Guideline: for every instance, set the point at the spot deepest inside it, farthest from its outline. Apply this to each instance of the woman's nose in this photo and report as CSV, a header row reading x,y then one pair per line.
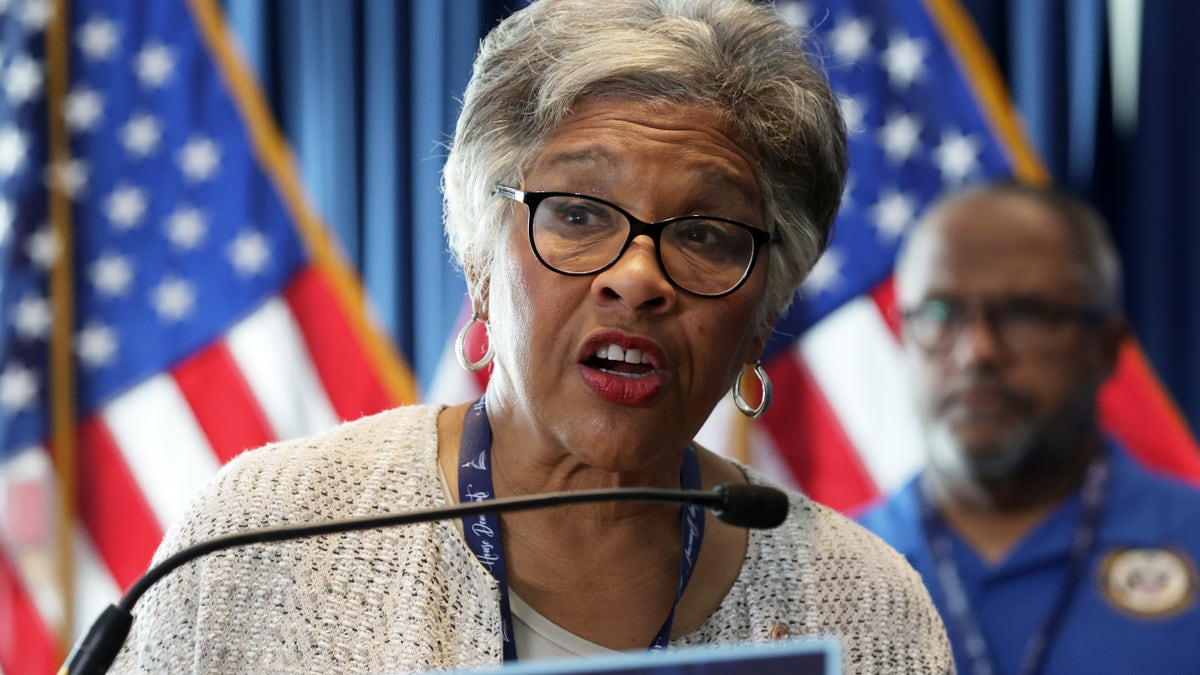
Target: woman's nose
x,y
636,279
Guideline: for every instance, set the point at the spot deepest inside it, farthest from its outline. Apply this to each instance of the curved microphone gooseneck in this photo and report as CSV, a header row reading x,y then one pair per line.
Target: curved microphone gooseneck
x,y
754,506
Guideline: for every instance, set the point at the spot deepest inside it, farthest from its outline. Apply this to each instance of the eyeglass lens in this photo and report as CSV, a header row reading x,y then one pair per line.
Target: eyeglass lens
x,y
578,235
1021,324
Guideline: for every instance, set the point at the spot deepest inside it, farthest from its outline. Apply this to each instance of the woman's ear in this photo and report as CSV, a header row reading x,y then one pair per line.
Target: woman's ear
x,y
478,285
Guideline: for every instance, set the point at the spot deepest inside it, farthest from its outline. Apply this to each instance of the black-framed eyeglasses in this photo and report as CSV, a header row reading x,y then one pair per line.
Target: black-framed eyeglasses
x,y
1022,324
577,235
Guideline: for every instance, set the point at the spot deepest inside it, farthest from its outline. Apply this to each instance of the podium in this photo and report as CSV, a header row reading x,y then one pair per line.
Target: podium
x,y
800,656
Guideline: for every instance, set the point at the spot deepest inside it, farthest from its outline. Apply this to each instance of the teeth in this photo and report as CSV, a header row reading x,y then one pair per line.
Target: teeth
x,y
612,353
615,353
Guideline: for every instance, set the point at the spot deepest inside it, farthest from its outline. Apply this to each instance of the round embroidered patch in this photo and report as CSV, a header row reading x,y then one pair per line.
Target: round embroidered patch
x,y
1148,583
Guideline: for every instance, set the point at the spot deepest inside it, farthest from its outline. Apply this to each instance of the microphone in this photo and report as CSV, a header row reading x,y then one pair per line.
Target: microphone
x,y
743,505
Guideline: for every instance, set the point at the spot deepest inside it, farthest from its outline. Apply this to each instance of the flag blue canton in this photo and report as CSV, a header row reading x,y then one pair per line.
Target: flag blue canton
x,y
177,232
915,130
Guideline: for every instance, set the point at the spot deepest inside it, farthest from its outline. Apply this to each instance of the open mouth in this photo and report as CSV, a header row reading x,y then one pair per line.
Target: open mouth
x,y
632,363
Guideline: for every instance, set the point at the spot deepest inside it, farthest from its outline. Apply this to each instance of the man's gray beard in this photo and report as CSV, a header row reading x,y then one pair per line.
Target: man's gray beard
x,y
1026,451
1004,460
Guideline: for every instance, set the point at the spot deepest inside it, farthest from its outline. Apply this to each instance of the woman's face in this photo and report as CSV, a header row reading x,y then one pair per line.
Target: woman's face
x,y
655,161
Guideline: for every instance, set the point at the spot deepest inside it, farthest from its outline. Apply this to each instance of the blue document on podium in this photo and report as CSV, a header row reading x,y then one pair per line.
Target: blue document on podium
x,y
816,656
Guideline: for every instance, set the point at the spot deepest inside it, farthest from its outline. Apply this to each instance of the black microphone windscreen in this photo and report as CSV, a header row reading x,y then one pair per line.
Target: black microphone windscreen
x,y
756,506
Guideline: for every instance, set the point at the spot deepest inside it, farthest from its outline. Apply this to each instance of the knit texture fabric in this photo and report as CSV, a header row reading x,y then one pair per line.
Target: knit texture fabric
x,y
414,598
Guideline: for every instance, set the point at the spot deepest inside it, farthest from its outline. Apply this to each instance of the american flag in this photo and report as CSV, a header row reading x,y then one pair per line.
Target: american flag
x,y
927,113
168,298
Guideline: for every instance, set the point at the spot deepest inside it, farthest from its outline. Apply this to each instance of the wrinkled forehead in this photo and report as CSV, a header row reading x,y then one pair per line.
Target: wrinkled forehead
x,y
618,148
991,246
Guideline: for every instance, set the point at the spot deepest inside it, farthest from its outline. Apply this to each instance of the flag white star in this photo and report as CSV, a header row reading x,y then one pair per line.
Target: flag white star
x,y
904,60
797,14
35,14
43,248
141,135
893,213
957,155
13,147
125,206
850,40
199,158
18,387
186,228
852,113
70,176
83,109
97,38
249,253
900,136
154,64
96,345
174,299
826,274
32,317
111,275
23,79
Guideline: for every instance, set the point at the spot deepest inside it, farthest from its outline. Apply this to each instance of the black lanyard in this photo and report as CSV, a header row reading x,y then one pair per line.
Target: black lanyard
x,y
962,616
483,532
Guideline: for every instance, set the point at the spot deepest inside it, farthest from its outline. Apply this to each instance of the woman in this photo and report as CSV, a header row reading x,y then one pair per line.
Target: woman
x,y
613,340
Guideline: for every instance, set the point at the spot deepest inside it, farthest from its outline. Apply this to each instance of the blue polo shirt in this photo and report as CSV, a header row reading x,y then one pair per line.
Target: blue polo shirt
x,y
1134,611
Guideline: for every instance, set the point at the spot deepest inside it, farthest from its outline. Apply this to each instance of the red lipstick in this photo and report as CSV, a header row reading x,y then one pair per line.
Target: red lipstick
x,y
622,369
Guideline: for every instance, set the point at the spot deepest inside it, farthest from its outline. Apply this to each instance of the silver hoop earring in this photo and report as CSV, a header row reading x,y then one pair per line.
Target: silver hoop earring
x,y
460,347
767,393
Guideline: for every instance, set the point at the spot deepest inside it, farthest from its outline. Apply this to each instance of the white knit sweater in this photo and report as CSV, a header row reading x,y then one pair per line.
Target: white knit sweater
x,y
415,598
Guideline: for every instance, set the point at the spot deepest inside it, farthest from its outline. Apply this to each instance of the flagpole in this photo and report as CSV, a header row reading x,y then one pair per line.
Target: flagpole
x,y
982,77
62,300
272,152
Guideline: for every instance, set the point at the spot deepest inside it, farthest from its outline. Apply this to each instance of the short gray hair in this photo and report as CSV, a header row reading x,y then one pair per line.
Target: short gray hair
x,y
739,57
1099,265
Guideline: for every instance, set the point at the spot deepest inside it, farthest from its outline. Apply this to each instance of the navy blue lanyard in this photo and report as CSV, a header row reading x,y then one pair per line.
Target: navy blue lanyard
x,y
962,616
483,532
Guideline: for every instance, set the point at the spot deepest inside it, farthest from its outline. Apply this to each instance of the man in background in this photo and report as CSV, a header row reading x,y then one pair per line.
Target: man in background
x,y
1044,546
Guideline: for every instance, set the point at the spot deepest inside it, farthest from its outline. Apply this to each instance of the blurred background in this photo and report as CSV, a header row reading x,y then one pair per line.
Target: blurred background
x,y
221,225
1107,90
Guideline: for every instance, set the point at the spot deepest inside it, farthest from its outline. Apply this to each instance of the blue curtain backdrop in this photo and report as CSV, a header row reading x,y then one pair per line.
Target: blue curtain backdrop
x,y
367,92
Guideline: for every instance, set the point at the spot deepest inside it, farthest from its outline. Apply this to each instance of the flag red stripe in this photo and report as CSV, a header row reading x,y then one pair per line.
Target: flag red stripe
x,y
884,296
812,442
222,402
1135,410
348,375
118,517
26,643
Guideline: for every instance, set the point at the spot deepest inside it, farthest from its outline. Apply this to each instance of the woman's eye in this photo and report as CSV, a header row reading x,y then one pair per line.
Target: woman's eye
x,y
579,213
579,217
702,233
696,235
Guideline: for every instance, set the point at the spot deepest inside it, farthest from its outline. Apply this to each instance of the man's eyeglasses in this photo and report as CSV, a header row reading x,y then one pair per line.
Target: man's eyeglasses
x,y
577,235
1021,324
